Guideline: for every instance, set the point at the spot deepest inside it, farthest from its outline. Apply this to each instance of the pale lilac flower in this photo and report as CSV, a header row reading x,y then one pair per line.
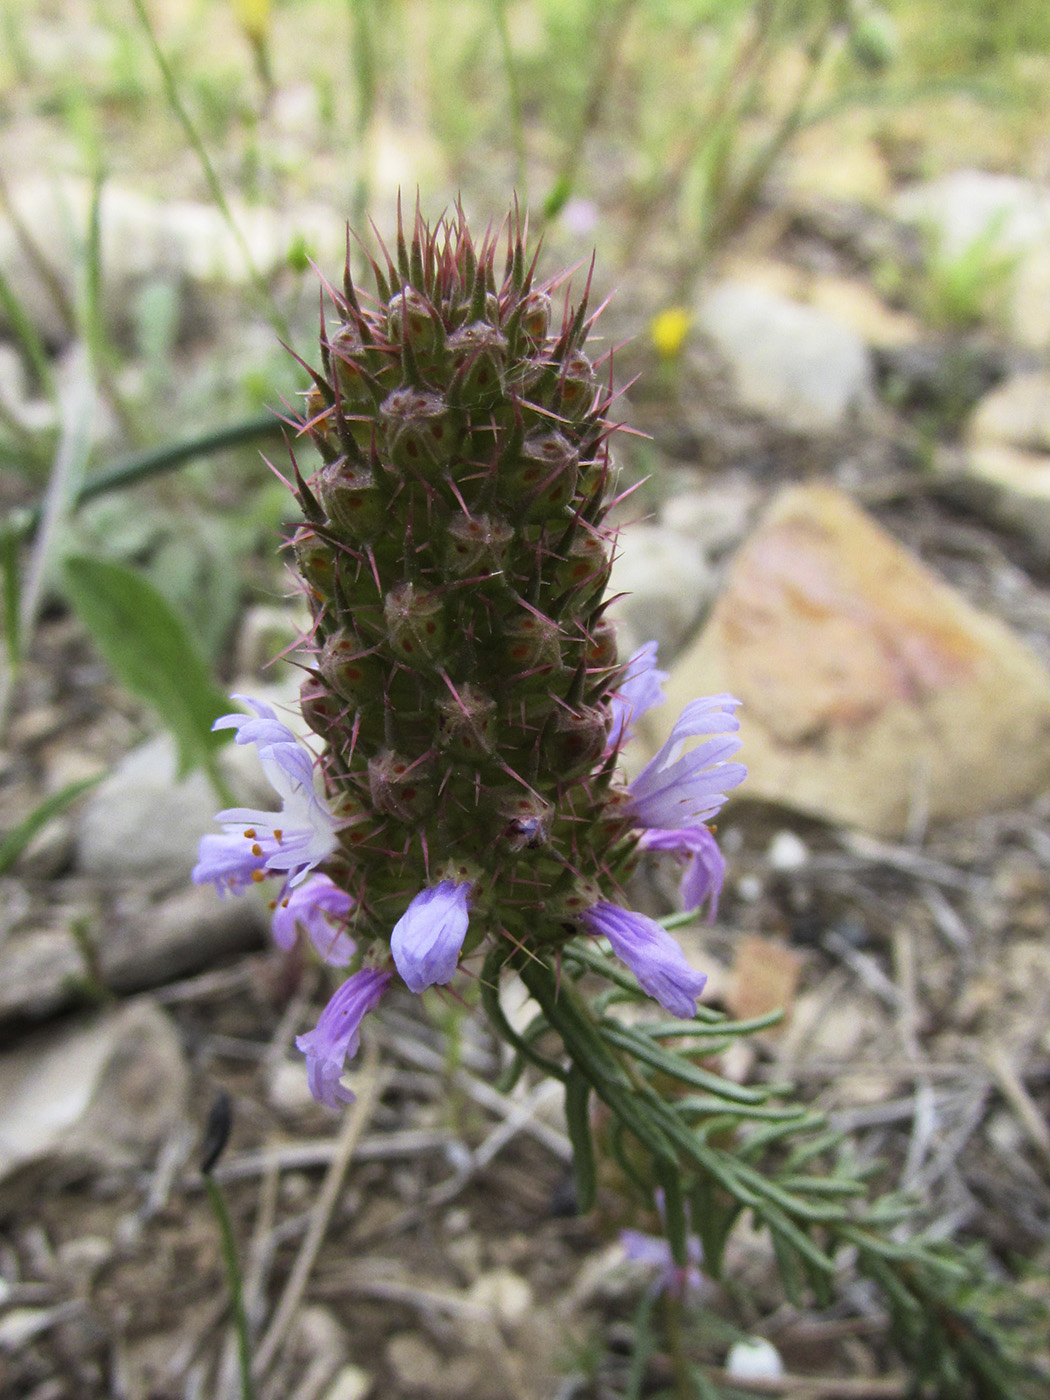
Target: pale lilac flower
x,y
318,906
655,1253
641,689
677,789
229,862
652,955
427,939
290,842
705,866
265,729
336,1036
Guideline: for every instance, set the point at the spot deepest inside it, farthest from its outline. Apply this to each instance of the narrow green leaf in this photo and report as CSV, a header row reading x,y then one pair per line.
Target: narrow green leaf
x,y
676,1225
15,842
578,1121
150,650
12,586
642,1048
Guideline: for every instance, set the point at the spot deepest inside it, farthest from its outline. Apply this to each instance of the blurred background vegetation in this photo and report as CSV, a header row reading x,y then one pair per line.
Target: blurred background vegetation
x,y
169,170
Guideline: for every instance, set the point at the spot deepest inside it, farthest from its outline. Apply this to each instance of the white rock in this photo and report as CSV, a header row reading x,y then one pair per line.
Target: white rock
x,y
665,583
110,1090
792,363
968,205
143,820
754,1359
787,851
349,1383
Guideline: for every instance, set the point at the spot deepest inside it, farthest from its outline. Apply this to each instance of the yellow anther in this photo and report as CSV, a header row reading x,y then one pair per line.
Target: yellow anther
x,y
256,849
249,832
258,876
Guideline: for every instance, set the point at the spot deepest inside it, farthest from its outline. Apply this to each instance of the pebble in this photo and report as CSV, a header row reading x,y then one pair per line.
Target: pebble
x,y
795,364
754,1359
665,585
787,852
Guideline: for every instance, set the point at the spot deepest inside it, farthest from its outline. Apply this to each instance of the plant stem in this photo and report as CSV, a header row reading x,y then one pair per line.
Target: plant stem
x,y
142,465
236,1284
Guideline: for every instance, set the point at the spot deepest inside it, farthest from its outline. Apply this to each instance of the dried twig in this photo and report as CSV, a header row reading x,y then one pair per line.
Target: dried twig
x,y
1017,1096
354,1126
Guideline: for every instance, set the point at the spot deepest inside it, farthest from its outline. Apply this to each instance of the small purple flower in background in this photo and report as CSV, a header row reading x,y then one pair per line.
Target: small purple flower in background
x,y
427,939
655,1253
652,955
641,689
258,843
317,905
705,866
676,790
336,1036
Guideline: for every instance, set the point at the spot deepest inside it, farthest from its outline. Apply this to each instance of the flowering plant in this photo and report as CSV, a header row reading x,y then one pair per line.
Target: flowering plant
x,y
466,814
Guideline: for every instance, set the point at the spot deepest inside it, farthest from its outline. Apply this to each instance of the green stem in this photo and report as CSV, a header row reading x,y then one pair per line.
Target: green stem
x,y
675,1344
143,465
236,1285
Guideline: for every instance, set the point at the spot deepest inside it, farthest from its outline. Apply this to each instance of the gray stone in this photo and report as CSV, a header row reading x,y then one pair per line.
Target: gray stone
x,y
665,585
110,1090
143,239
791,363
142,820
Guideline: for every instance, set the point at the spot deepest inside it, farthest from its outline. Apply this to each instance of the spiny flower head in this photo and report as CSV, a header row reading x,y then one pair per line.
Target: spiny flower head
x,y
460,669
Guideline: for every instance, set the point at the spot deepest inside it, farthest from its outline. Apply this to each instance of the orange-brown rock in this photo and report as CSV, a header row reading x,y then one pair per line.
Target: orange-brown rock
x,y
872,692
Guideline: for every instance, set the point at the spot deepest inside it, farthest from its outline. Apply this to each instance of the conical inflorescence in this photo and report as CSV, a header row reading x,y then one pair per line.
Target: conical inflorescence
x,y
462,672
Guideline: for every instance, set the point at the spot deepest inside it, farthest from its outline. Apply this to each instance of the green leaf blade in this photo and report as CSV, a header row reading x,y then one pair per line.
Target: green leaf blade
x,y
151,651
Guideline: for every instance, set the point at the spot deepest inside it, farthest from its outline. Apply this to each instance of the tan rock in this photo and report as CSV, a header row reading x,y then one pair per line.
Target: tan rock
x,y
838,160
871,691
1006,484
1016,413
861,307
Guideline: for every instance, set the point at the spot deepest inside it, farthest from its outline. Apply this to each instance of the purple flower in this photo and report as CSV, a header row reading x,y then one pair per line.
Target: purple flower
x,y
651,954
655,1252
230,862
705,866
677,789
318,906
292,841
265,729
427,938
640,690
336,1036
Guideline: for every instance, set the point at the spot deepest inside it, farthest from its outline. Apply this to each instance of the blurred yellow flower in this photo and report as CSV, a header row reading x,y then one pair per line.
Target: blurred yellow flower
x,y
254,18
668,331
